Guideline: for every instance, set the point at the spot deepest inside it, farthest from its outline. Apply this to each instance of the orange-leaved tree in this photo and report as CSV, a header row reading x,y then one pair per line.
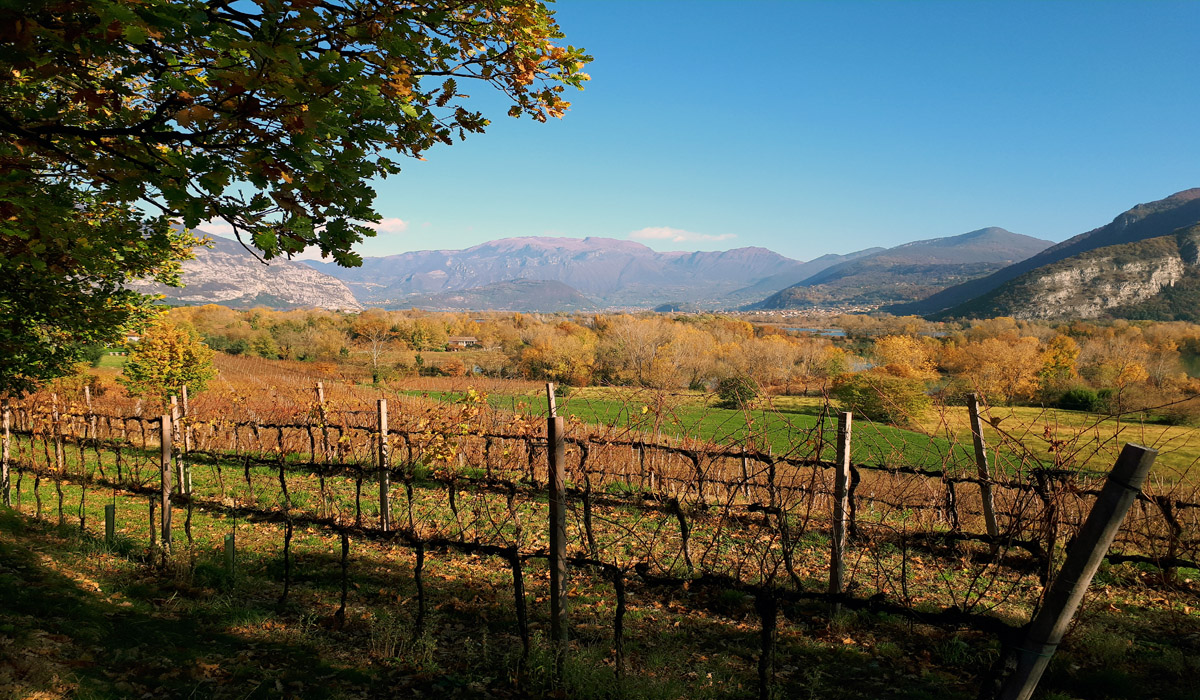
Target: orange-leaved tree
x,y
165,359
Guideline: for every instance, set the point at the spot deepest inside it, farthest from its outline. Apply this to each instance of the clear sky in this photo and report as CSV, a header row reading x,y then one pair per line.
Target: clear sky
x,y
827,127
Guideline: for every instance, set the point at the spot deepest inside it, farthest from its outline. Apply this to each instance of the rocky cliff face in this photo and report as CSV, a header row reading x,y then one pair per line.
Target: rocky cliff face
x,y
1091,290
1120,280
1142,222
228,274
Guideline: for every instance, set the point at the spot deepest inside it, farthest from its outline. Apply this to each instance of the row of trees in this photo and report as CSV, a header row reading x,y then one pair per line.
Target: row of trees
x,y
1121,364
621,349
1114,366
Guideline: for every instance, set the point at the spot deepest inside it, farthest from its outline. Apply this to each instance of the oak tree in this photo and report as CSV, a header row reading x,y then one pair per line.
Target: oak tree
x,y
122,118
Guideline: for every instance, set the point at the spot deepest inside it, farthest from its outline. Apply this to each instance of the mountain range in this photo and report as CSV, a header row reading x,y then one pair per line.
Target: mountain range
x,y
611,272
907,272
1144,264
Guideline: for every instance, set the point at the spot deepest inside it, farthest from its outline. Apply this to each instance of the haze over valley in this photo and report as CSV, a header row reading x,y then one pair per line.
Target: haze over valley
x,y
1143,264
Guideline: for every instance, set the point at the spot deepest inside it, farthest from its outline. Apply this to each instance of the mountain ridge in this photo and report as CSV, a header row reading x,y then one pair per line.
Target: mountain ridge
x,y
1155,278
225,272
1146,220
908,271
610,272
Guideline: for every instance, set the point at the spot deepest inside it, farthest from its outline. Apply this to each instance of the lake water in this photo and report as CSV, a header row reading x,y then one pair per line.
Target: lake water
x,y
827,332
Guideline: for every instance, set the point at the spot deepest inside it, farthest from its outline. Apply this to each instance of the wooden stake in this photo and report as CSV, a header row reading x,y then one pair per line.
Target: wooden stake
x,y
179,479
745,475
4,453
557,453
231,554
60,458
985,476
165,481
1083,559
187,442
514,560
550,400
385,506
87,400
841,507
325,451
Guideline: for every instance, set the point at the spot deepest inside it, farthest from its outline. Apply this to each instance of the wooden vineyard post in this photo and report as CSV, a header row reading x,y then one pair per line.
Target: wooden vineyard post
x,y
550,404
985,476
557,453
324,445
321,411
179,480
187,442
1083,559
841,508
745,475
110,523
60,458
165,482
768,611
385,505
91,416
641,450
230,554
4,453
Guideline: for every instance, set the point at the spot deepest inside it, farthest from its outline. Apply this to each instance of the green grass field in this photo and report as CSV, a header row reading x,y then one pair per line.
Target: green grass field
x,y
90,619
113,361
788,424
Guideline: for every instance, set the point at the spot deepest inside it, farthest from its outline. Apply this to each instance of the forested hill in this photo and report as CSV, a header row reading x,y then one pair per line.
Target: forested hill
x,y
909,271
1144,221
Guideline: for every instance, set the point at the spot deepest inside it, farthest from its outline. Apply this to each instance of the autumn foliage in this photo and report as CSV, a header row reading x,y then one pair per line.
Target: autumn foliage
x,y
167,358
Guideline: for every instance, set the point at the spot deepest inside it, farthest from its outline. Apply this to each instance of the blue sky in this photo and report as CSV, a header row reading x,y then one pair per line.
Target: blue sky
x,y
828,127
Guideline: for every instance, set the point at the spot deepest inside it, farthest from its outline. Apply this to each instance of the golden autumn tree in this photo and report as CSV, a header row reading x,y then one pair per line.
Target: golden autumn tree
x,y
905,356
1115,359
1059,360
1004,369
565,354
167,358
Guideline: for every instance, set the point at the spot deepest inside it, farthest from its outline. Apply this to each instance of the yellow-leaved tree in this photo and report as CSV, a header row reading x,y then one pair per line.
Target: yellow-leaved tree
x,y
167,358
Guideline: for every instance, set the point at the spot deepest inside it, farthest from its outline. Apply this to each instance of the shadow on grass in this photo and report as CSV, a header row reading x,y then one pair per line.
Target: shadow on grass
x,y
63,637
196,635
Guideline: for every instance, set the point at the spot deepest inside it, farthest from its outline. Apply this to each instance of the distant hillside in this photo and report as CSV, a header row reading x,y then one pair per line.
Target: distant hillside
x,y
774,283
609,271
514,295
907,272
1156,278
228,274
1144,221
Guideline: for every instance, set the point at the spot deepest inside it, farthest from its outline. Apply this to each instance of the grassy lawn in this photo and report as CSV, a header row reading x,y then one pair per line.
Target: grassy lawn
x,y
789,424
1074,438
89,619
112,361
